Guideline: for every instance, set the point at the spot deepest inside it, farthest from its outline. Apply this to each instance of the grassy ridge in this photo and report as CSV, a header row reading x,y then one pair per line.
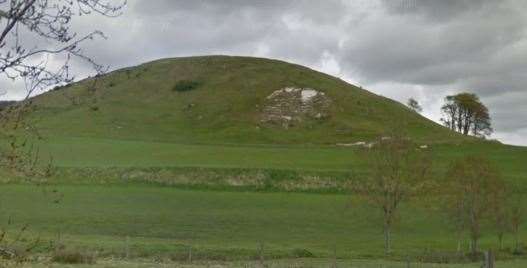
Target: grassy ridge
x,y
140,103
124,154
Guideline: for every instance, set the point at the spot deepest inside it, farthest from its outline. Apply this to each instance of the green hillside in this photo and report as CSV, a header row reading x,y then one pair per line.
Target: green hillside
x,y
228,103
223,154
235,113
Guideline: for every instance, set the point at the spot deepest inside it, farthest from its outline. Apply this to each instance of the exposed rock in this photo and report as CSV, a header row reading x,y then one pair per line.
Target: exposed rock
x,y
290,106
360,143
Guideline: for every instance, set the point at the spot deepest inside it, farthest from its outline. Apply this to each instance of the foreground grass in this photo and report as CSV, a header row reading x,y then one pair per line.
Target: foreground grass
x,y
297,263
162,221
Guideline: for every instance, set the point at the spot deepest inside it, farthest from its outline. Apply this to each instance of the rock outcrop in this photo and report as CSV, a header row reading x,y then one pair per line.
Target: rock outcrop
x,y
292,106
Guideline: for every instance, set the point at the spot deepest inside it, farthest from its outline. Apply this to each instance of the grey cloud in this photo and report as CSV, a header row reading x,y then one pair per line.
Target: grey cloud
x,y
440,10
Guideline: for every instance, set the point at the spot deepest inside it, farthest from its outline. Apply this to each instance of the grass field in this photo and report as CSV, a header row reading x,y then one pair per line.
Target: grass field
x,y
137,169
297,263
93,152
164,221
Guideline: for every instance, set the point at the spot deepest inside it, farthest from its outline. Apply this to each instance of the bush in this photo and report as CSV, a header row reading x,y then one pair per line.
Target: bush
x,y
186,85
303,253
73,257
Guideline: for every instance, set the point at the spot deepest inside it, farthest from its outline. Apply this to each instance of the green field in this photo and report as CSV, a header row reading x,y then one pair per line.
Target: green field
x,y
137,169
220,224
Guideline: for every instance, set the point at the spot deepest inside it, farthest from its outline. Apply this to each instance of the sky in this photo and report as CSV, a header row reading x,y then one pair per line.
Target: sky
x,y
425,49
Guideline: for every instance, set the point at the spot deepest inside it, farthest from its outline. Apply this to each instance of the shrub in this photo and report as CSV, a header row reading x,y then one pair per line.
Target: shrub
x,y
185,85
302,253
73,257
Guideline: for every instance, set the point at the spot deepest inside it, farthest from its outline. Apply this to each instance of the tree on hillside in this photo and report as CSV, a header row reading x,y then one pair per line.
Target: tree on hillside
x,y
473,183
466,114
398,172
414,105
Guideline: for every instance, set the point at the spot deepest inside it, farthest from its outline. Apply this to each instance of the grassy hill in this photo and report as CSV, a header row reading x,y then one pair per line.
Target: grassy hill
x,y
214,153
213,111
226,104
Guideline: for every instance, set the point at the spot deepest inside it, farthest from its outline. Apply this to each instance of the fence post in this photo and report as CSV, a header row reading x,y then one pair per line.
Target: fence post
x,y
189,254
127,247
335,256
261,253
489,259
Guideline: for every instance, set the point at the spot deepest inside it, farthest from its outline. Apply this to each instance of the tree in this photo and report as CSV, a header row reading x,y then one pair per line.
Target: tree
x,y
473,183
414,105
398,172
517,217
500,217
31,32
466,114
48,23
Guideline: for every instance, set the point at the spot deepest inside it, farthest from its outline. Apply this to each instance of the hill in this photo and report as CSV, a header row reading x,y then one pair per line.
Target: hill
x,y
222,154
220,100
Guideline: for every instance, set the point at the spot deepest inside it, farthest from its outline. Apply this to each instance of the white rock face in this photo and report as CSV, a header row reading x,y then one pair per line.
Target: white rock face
x,y
291,106
308,94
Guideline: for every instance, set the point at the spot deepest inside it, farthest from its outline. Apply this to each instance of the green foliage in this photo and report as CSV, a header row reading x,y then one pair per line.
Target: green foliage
x,y
465,113
186,85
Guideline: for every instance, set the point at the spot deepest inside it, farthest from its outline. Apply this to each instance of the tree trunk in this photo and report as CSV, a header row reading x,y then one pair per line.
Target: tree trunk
x,y
474,246
387,239
517,242
500,241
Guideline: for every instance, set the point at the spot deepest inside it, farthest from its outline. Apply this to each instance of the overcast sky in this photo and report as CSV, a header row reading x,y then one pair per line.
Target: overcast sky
x,y
424,49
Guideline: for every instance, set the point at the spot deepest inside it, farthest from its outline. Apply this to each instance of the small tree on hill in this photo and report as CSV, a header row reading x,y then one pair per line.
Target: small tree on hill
x,y
398,172
414,105
472,186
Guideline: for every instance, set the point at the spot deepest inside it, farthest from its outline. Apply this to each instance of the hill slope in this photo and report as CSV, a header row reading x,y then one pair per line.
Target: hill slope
x,y
220,99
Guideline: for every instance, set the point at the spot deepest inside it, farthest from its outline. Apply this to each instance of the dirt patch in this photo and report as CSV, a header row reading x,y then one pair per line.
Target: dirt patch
x,y
291,106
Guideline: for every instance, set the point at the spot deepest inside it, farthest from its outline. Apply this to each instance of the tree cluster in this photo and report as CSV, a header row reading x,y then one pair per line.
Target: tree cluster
x,y
474,191
466,114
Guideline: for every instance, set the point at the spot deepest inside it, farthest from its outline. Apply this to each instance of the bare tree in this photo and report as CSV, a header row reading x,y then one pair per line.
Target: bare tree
x,y
399,172
31,31
472,184
49,21
517,217
500,217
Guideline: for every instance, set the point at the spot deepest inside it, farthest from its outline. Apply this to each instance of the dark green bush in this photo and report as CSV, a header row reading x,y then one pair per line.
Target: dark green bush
x,y
303,253
186,85
73,257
